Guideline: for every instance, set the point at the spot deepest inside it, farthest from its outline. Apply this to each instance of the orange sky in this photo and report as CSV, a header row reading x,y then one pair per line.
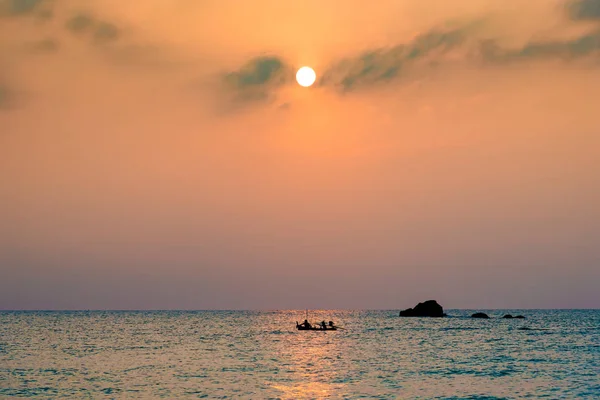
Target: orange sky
x,y
158,154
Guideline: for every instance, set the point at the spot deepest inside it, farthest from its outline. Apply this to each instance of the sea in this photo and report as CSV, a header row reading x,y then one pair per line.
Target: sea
x,y
552,354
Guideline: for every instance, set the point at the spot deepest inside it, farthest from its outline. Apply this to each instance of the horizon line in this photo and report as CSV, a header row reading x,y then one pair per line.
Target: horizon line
x,y
266,309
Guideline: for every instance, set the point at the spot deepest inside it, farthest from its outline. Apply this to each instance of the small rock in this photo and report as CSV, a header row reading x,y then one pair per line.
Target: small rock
x,y
480,315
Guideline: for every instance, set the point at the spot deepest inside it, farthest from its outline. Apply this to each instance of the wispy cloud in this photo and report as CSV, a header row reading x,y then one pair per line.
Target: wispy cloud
x,y
79,23
39,8
101,32
260,77
584,9
119,44
48,45
579,47
385,64
116,44
257,78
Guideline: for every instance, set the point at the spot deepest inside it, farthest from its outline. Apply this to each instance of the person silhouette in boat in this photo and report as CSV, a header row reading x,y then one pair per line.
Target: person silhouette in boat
x,y
323,325
331,325
306,324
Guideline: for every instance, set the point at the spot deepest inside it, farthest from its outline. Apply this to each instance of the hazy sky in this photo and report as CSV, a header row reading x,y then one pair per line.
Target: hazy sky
x,y
159,154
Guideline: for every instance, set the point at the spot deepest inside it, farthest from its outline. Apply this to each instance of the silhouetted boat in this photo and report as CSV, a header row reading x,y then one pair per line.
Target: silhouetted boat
x,y
307,326
315,328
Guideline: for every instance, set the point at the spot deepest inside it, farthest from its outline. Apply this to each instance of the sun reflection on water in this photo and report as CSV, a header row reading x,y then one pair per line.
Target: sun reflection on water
x,y
308,390
311,357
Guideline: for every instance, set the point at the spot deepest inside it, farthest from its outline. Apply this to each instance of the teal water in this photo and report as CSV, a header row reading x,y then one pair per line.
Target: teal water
x,y
260,355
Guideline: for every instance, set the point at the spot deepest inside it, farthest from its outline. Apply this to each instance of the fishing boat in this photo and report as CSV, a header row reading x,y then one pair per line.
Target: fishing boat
x,y
307,326
301,327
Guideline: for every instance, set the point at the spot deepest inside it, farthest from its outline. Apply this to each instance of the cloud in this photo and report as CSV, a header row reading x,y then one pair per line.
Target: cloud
x,y
47,45
100,32
584,9
39,8
259,77
258,71
385,64
84,25
118,44
19,7
255,80
582,46
105,32
79,23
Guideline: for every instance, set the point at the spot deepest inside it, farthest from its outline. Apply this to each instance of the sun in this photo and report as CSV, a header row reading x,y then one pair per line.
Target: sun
x,y
306,76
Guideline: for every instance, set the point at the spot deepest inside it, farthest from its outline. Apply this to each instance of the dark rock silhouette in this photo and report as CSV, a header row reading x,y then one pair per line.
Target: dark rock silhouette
x,y
480,315
429,308
508,316
520,317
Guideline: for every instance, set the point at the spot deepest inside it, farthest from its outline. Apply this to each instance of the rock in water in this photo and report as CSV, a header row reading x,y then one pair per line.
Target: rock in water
x,y
480,315
429,308
508,316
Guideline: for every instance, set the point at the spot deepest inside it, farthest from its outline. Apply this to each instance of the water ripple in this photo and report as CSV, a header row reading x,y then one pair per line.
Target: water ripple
x,y
552,354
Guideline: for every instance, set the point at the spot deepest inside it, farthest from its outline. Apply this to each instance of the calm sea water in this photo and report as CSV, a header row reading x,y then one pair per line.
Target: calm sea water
x,y
260,355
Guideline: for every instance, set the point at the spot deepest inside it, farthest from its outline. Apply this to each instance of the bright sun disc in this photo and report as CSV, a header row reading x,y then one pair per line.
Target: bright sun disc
x,y
306,76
